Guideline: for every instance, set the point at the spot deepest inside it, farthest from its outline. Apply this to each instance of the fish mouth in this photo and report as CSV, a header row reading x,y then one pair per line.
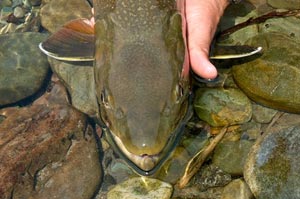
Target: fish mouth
x,y
148,165
145,162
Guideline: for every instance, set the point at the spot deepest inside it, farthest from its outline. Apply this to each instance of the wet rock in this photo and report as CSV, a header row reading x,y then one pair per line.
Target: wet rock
x,y
231,156
78,78
237,189
287,4
16,3
56,13
211,176
47,150
273,78
5,3
23,67
174,167
19,12
193,192
286,120
262,114
194,144
119,170
141,187
251,131
5,13
283,26
34,2
272,168
220,107
236,14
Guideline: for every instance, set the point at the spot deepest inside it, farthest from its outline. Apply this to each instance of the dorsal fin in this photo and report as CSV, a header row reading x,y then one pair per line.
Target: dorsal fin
x,y
73,42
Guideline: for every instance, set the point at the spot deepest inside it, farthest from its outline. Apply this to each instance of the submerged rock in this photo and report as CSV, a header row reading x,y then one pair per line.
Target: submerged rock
x,y
286,4
47,150
237,189
56,13
272,168
263,114
221,107
78,78
23,67
211,176
272,79
141,188
231,156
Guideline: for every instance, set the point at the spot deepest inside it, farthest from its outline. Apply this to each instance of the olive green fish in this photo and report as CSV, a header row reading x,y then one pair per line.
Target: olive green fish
x,y
141,74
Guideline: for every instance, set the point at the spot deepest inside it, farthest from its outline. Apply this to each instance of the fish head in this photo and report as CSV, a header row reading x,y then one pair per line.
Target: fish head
x,y
142,81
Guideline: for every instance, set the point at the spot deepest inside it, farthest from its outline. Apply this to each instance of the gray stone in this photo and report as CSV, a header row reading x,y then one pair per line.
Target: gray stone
x,y
287,4
19,12
231,156
119,170
194,193
194,144
78,78
211,176
174,167
237,189
141,188
272,169
23,67
34,2
262,114
251,131
221,107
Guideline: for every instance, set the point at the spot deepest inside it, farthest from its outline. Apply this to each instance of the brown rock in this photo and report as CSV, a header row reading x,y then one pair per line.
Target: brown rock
x,y
47,150
56,13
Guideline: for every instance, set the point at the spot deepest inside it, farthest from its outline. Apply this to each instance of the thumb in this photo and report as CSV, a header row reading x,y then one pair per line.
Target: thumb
x,y
202,19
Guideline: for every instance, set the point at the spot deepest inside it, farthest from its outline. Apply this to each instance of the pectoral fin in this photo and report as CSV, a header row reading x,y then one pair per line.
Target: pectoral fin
x,y
73,42
230,52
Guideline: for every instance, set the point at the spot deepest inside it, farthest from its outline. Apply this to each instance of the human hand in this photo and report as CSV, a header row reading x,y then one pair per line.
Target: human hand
x,y
202,18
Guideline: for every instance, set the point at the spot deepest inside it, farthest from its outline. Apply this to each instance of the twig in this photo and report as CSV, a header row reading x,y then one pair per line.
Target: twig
x,y
196,162
275,118
260,19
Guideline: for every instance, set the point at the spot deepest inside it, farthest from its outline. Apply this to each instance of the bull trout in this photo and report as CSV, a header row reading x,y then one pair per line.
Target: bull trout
x,y
142,82
141,74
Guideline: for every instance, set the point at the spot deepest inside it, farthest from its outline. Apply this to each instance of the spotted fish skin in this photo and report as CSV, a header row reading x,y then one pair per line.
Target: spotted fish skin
x,y
139,73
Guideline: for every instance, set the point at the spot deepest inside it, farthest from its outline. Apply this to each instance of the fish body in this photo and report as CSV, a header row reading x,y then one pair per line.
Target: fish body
x,y
139,75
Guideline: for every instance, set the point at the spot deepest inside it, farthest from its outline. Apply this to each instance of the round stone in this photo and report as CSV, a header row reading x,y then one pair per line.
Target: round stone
x,y
272,79
55,14
141,188
230,156
19,12
237,189
221,107
23,67
272,169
